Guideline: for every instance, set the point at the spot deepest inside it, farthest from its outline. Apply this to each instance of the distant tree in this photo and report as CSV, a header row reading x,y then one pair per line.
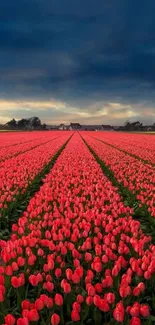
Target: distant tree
x,y
137,126
29,123
133,126
11,124
35,122
32,123
44,126
127,123
23,123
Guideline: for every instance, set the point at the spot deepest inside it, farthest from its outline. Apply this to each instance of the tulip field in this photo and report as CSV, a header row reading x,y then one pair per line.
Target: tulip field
x,y
77,228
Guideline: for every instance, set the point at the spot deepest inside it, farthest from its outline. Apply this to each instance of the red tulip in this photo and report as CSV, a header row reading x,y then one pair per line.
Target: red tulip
x,y
33,315
144,311
16,282
22,321
80,299
55,319
25,304
67,288
118,312
75,316
110,297
39,304
58,299
10,320
134,311
103,305
69,274
135,321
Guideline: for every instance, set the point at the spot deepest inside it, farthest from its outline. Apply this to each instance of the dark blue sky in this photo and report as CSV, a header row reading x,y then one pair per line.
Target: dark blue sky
x,y
74,60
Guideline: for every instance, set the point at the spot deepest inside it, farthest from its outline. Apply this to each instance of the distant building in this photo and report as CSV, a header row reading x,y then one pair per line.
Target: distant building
x,y
107,127
95,127
92,127
51,127
78,126
62,126
75,126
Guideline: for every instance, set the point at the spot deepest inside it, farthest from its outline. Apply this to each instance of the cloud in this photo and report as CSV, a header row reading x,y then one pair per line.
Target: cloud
x,y
96,61
55,112
41,105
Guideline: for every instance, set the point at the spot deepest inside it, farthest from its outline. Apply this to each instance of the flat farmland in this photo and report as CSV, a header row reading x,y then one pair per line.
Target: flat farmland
x,y
77,228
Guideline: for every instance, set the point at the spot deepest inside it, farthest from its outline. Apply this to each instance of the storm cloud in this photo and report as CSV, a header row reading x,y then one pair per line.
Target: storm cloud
x,y
81,61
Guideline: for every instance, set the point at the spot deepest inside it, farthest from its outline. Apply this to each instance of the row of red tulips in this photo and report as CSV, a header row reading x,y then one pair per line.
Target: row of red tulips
x,y
142,146
15,138
8,152
76,256
138,177
18,172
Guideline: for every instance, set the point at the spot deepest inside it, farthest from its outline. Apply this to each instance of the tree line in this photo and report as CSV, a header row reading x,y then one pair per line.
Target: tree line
x,y
32,123
136,126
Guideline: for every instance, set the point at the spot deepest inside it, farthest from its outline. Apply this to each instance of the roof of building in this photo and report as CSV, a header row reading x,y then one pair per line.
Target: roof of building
x,y
75,124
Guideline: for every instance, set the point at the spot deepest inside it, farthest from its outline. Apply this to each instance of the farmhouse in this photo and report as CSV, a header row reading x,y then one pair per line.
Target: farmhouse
x,y
75,126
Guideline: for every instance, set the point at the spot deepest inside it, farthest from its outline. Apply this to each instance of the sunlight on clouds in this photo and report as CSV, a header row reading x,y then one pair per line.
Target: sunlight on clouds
x,y
57,111
150,113
10,105
83,114
131,113
4,119
119,106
